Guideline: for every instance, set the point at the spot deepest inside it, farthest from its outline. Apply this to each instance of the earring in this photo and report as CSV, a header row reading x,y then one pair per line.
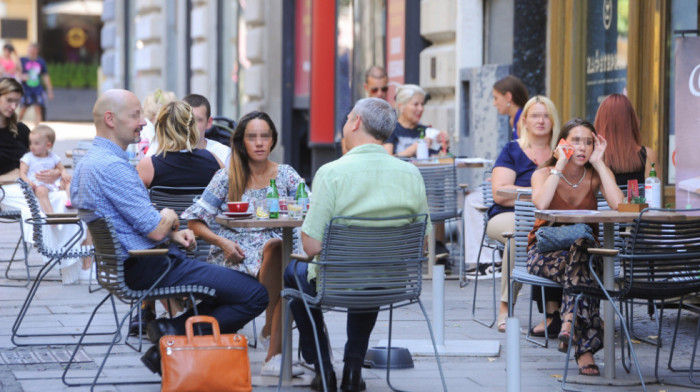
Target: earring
x,y
508,104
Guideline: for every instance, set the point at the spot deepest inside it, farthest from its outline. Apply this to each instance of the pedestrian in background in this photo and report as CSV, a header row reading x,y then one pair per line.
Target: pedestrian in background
x,y
9,62
509,97
36,82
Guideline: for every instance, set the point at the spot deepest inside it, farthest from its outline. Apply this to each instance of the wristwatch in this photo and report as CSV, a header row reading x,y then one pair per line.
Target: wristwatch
x,y
555,172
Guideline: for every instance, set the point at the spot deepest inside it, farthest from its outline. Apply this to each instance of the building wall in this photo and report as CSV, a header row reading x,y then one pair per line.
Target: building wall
x,y
22,9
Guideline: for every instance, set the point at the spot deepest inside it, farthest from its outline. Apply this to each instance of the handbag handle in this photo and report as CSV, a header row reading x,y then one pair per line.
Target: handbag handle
x,y
201,319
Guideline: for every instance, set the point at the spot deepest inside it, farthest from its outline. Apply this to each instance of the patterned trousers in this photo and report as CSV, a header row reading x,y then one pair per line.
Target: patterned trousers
x,y
570,269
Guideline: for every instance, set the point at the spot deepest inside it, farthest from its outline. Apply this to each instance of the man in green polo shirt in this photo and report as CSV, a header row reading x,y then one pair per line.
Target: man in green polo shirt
x,y
365,182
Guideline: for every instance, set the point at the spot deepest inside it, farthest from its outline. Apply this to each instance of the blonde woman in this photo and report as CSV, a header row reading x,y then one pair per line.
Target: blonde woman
x,y
176,163
151,107
513,169
410,101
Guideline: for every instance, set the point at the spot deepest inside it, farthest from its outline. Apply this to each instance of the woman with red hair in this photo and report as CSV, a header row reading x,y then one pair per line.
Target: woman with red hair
x,y
617,122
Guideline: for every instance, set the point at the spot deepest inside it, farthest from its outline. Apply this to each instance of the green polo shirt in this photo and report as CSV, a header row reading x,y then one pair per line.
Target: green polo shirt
x,y
365,182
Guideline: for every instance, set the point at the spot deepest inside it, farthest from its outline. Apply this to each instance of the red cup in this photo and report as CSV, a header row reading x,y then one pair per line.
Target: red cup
x,y
238,206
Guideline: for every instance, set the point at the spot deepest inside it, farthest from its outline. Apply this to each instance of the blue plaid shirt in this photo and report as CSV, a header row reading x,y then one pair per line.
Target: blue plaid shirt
x,y
104,181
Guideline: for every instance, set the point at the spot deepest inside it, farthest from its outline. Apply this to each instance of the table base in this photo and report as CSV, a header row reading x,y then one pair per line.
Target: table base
x,y
451,348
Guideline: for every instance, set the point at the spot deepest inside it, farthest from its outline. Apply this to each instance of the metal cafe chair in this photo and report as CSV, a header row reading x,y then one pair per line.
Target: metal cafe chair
x,y
11,216
488,243
442,191
367,268
111,276
660,263
54,255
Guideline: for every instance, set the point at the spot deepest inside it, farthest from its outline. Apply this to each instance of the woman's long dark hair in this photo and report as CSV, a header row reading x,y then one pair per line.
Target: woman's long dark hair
x,y
11,85
564,133
239,171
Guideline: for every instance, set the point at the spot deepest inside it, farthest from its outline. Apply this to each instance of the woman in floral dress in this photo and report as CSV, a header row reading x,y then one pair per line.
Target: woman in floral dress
x,y
255,251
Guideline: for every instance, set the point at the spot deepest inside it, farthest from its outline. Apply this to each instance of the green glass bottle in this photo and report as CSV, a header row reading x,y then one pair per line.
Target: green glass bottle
x,y
302,196
273,200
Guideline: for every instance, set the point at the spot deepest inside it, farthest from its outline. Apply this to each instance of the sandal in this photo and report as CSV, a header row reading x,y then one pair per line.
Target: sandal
x,y
552,329
564,338
595,371
501,322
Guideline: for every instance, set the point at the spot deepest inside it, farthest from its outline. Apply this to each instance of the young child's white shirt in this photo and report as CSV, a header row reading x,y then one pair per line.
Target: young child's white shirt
x,y
37,164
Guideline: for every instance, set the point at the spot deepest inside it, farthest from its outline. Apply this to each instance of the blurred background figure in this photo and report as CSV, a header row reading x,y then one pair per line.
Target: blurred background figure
x,y
151,107
9,62
509,98
618,123
36,82
376,82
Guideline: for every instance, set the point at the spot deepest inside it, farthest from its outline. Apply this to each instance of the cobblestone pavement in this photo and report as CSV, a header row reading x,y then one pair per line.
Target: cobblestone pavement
x,y
66,308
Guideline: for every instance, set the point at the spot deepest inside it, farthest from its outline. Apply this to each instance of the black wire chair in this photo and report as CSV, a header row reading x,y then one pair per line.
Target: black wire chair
x,y
367,268
12,216
111,276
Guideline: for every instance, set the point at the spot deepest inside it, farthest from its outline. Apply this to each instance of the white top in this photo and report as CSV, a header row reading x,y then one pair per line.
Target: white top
x,y
37,164
222,151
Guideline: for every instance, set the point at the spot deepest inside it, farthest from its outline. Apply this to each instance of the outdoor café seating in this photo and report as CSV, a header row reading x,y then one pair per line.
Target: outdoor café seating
x,y
12,216
111,276
660,263
54,255
367,268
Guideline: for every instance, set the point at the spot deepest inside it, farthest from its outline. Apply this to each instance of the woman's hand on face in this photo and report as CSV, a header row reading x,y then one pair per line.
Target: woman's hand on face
x,y
560,154
599,145
232,252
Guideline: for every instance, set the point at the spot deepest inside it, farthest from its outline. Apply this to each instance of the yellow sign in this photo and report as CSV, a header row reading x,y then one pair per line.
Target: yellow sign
x,y
76,37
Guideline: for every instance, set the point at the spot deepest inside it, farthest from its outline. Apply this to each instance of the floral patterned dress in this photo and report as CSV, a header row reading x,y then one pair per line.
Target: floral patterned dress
x,y
251,240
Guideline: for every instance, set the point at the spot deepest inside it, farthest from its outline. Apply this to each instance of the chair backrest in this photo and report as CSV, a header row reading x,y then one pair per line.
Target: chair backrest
x,y
524,222
110,271
179,199
35,210
367,267
441,189
662,259
79,152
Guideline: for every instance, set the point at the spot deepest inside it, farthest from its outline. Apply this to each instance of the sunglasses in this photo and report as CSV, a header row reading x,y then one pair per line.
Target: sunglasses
x,y
375,89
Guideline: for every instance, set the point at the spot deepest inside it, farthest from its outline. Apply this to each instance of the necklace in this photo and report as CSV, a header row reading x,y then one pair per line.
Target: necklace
x,y
579,181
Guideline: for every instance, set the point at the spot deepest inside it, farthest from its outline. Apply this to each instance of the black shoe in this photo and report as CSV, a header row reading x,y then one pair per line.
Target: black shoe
x,y
446,262
142,318
552,329
441,248
152,359
317,382
159,328
352,379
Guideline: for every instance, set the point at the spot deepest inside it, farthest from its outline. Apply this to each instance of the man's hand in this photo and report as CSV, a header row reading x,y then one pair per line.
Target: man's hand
x,y
48,176
185,238
170,217
233,253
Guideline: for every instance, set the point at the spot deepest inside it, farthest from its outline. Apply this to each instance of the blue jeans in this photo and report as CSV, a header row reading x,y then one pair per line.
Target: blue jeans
x,y
359,325
239,297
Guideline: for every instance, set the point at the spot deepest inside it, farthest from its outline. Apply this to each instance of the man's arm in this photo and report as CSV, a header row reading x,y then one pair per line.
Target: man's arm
x,y
168,222
49,87
312,246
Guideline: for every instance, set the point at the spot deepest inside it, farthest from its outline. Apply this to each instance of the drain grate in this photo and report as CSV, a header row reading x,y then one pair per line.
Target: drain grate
x,y
27,357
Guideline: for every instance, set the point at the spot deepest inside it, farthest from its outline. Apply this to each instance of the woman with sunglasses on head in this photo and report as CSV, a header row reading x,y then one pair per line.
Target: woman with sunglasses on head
x,y
570,180
509,98
255,251
410,101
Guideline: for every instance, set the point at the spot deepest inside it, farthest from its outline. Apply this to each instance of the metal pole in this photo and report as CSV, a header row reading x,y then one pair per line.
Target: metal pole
x,y
439,304
513,355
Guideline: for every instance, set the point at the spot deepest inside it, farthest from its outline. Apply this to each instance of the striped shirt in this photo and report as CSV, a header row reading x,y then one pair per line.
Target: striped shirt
x,y
104,181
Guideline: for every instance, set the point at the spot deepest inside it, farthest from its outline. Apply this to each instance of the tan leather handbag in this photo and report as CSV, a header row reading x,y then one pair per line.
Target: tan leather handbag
x,y
206,362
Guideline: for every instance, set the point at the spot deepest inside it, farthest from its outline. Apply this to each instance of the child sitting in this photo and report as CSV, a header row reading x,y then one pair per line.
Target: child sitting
x,y
41,158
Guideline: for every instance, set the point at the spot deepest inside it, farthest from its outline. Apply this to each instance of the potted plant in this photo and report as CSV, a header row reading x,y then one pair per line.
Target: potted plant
x,y
637,205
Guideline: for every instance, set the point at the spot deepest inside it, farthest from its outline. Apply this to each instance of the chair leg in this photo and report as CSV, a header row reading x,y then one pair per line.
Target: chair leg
x,y
692,357
12,259
432,338
529,323
476,284
115,339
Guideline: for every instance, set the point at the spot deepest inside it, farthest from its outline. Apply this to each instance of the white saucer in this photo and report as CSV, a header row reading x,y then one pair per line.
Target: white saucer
x,y
237,214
